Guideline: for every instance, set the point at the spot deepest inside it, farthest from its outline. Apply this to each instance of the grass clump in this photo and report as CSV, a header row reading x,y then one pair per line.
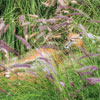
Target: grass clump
x,y
34,23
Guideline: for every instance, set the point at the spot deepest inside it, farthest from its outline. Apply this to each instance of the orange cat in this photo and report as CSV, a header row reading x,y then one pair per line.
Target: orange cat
x,y
73,40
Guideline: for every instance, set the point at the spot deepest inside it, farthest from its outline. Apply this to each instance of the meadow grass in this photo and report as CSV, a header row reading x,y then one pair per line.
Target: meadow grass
x,y
68,85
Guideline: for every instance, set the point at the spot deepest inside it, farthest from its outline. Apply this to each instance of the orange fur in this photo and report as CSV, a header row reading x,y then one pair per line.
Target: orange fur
x,y
43,52
76,40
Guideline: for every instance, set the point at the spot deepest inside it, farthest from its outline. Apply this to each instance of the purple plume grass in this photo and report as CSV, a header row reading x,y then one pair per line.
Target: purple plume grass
x,y
62,83
47,70
72,83
25,33
92,80
2,26
94,21
83,3
8,48
94,54
85,73
64,17
53,20
21,19
5,51
57,26
61,2
4,91
84,52
6,28
50,77
49,63
58,9
21,66
31,72
39,52
41,30
25,23
90,36
92,68
75,14
23,41
25,30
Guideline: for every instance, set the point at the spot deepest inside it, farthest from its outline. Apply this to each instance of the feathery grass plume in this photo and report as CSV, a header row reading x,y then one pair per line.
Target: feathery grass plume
x,y
77,13
23,41
94,21
4,91
50,77
83,13
91,68
8,48
47,70
57,26
92,81
31,72
37,38
62,3
53,2
59,8
6,28
39,52
33,27
2,24
49,3
74,9
41,30
21,66
63,17
49,63
43,27
83,3
25,23
45,4
90,36
6,52
51,20
62,83
33,16
84,52
32,35
25,32
94,54
21,19
74,2
72,83
85,73
80,63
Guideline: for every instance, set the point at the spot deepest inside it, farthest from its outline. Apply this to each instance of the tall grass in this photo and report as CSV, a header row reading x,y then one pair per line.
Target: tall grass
x,y
69,83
